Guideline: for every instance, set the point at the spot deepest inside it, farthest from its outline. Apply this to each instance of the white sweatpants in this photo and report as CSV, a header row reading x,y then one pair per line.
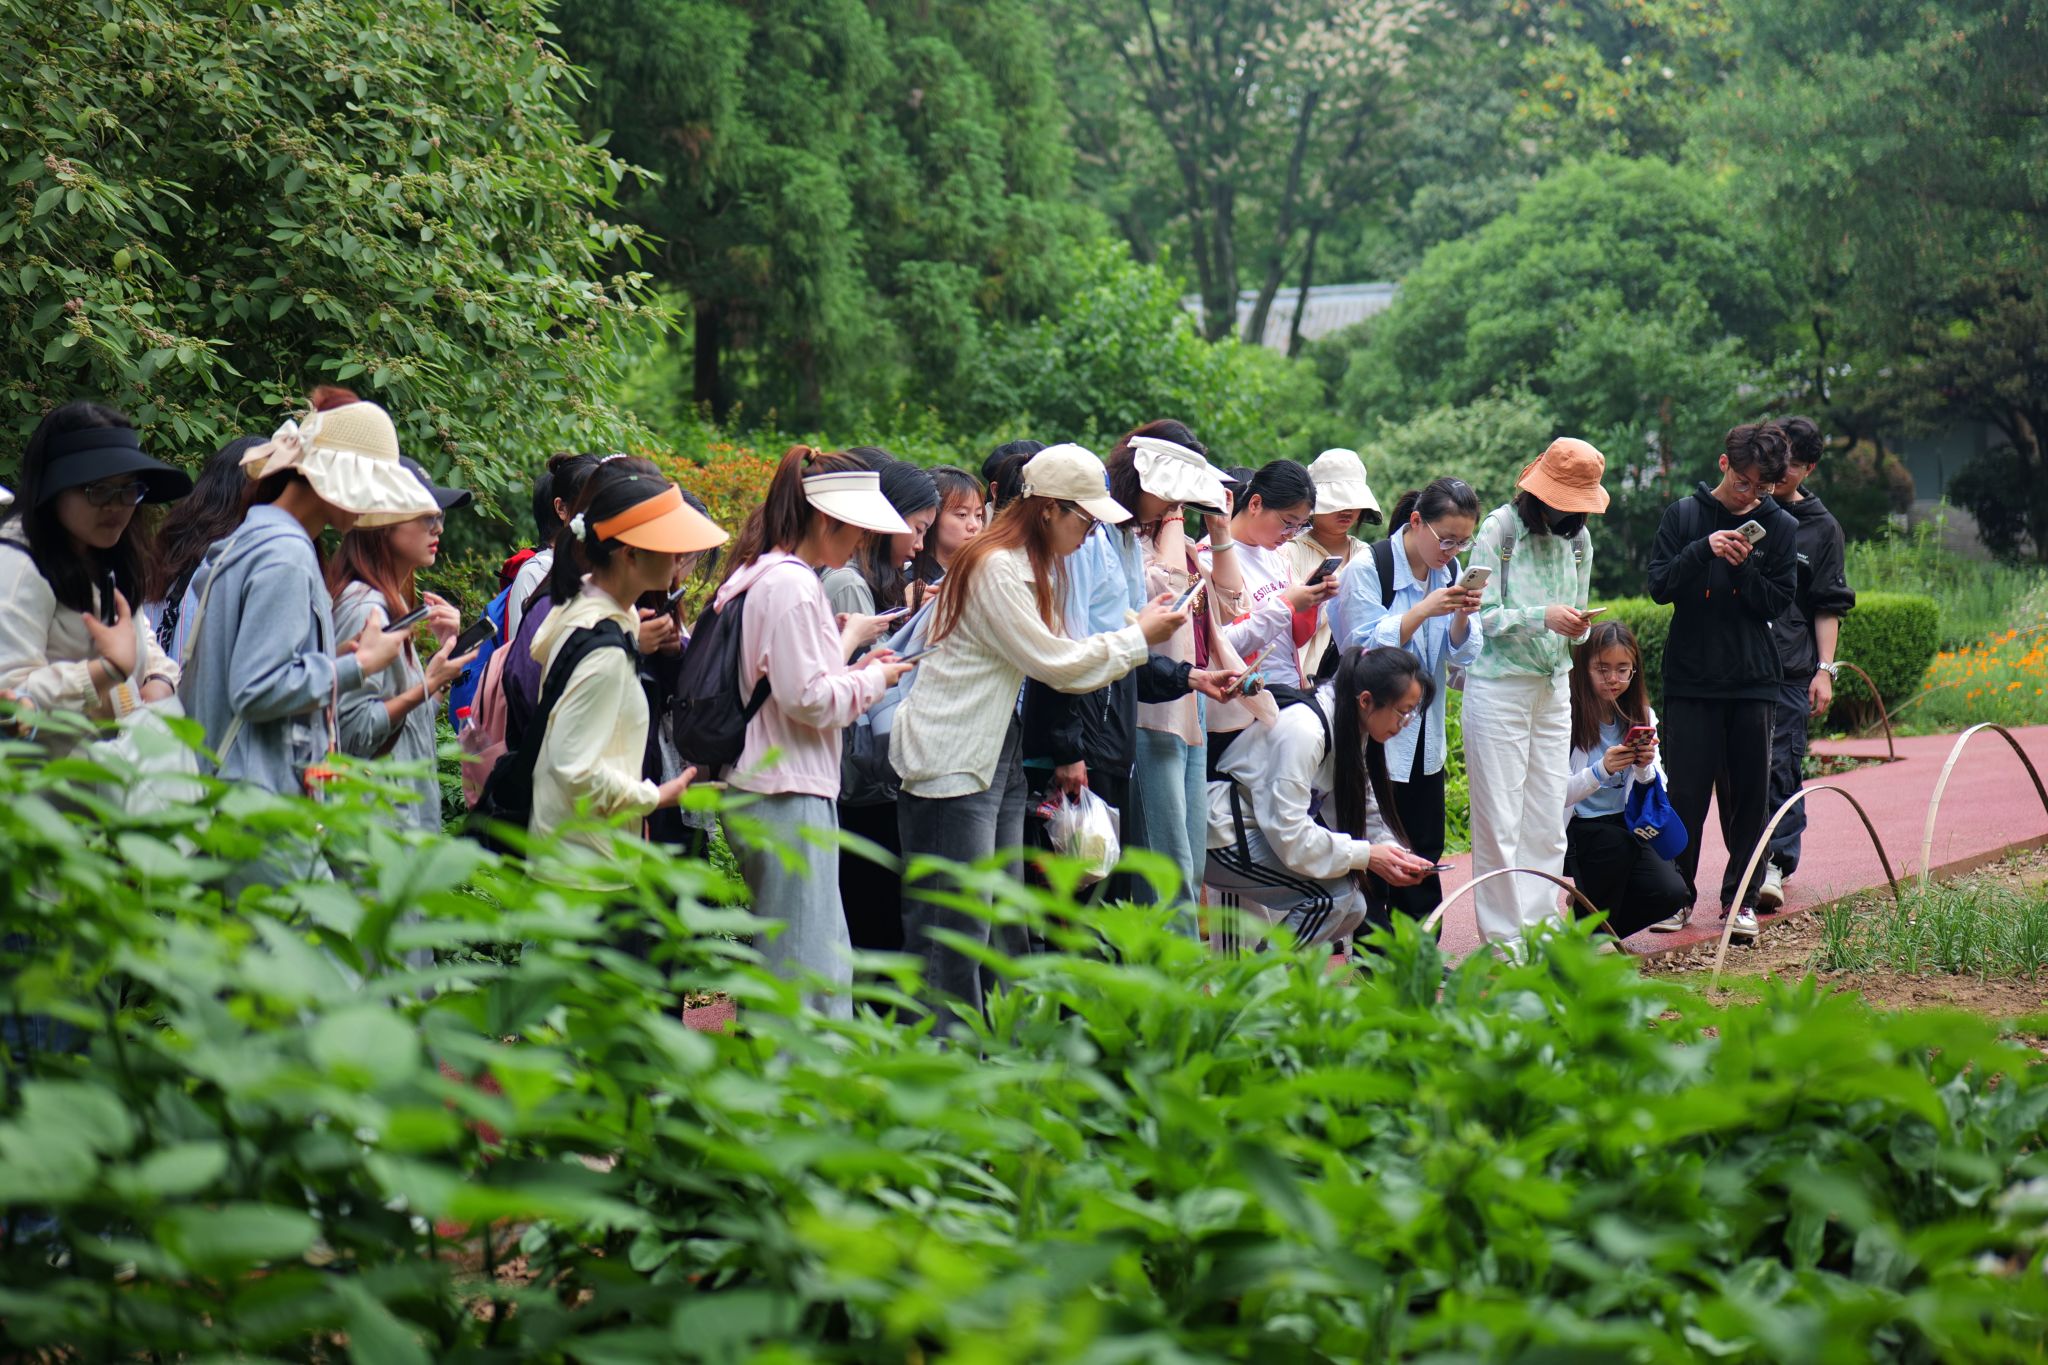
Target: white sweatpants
x,y
1518,736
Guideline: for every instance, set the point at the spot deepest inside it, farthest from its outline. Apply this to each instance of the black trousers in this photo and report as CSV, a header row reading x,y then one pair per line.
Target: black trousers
x,y
1419,800
1619,873
872,894
1720,750
1788,757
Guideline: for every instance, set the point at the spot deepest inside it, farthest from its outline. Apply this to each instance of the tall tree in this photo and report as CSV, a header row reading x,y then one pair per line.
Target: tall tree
x,y
1281,103
214,211
847,191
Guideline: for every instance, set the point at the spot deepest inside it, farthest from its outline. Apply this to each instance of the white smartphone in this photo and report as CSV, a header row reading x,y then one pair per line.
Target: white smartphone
x,y
1595,611
1181,603
1751,531
1475,578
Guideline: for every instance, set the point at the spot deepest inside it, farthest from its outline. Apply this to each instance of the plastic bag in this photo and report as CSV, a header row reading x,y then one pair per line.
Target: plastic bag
x,y
1086,828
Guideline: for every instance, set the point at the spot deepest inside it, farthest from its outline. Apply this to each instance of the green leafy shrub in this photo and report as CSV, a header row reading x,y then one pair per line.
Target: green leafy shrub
x,y
1487,442
271,1139
1651,623
214,208
1891,636
1977,598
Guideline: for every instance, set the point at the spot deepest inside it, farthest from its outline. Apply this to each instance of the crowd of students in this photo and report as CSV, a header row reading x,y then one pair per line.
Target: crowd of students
x,y
937,662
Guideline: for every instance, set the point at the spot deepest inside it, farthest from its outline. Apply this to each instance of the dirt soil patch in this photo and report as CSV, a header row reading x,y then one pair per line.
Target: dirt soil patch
x,y
1788,949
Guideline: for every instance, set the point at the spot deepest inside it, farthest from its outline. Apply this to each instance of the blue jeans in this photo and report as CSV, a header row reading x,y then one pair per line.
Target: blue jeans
x,y
1172,784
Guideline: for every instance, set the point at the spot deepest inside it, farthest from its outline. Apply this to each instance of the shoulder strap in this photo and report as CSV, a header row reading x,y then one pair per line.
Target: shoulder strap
x,y
738,605
580,645
1383,561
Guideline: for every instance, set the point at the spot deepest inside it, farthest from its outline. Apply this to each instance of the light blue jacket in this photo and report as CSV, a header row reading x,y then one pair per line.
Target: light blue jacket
x,y
1357,618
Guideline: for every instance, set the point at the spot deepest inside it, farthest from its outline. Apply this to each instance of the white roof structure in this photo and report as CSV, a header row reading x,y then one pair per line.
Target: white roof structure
x,y
1331,308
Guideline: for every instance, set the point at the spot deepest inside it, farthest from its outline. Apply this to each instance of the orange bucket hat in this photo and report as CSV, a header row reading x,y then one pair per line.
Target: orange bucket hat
x,y
1566,476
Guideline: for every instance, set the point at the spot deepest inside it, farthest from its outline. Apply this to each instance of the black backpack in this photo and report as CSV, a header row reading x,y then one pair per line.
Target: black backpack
x,y
507,794
710,718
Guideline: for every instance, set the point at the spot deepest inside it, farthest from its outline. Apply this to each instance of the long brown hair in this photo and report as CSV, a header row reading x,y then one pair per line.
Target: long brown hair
x,y
1022,523
366,556
1588,711
783,517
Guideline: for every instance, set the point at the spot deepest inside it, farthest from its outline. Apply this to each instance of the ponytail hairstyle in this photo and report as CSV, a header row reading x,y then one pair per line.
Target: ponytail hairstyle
x,y
1004,467
1279,483
1759,446
615,484
1444,497
955,486
1589,711
567,473
1386,674
1122,464
784,516
128,566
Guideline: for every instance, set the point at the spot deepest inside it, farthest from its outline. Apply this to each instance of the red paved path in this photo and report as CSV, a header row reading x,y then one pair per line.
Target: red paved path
x,y
1989,807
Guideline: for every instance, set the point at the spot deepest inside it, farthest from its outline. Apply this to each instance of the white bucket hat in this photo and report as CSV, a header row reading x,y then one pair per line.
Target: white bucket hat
x,y
1340,484
1171,472
350,455
854,496
1071,473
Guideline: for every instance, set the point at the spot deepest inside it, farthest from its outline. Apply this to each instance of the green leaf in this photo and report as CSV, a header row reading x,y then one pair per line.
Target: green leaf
x,y
173,1172
236,1237
366,1046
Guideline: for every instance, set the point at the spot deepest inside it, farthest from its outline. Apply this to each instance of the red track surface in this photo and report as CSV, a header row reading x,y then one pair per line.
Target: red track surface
x,y
1988,809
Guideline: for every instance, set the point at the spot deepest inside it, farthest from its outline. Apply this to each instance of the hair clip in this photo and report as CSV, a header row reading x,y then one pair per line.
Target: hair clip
x,y
615,455
577,525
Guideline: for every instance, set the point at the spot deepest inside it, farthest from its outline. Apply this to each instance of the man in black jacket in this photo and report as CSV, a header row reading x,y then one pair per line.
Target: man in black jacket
x,y
1721,665
1806,636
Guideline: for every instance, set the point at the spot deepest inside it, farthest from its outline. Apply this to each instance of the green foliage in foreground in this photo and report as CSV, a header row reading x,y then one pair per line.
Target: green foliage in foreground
x,y
1147,1152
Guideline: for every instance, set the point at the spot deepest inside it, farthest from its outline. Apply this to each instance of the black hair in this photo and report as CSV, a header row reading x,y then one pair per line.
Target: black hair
x,y
909,490
953,485
873,457
1386,674
1280,483
1761,446
1002,469
546,525
1535,514
216,505
1807,443
611,487
126,567
1443,497
1122,464
567,473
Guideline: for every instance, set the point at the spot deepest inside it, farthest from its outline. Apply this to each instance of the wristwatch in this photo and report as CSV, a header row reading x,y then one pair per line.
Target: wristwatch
x,y
1832,669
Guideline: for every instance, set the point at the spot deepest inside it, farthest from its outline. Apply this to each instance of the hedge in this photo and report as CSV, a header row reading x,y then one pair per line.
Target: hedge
x,y
1890,635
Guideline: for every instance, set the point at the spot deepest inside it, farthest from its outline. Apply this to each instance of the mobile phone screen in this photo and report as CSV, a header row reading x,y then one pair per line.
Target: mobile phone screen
x,y
1180,604
1324,570
407,621
483,629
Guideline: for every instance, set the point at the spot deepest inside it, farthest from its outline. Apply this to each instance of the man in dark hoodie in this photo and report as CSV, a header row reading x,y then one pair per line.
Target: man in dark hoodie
x,y
1806,645
1721,664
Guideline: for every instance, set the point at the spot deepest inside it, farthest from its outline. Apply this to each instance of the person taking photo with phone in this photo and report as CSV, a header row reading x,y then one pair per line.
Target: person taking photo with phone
x,y
392,713
958,735
1518,710
76,564
1806,636
1343,500
1614,747
1726,560
1408,592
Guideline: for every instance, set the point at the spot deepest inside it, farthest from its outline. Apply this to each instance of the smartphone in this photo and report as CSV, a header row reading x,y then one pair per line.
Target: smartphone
x,y
1475,578
915,655
1751,531
1181,603
676,595
891,614
1595,611
473,638
1328,567
1442,867
407,621
1638,733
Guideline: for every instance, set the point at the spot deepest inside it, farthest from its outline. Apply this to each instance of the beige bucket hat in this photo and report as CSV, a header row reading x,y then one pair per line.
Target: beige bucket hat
x,y
1339,476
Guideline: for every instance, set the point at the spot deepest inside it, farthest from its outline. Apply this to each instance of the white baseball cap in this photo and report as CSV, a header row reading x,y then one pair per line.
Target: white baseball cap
x,y
1071,473
1340,484
1171,472
854,496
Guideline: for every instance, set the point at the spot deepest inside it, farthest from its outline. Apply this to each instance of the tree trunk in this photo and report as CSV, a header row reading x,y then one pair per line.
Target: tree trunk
x,y
707,341
1308,279
1283,226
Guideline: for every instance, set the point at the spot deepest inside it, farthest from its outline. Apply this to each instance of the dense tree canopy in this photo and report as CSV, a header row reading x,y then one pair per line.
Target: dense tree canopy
x,y
211,212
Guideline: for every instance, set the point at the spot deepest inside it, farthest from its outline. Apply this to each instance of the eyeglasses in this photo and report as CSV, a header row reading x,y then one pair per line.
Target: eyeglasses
x,y
1294,528
128,493
1087,519
1406,716
436,524
1617,672
1449,546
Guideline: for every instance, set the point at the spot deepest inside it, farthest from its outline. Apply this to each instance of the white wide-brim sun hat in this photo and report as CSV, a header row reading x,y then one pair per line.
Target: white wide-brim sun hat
x,y
854,496
1339,477
1172,473
350,455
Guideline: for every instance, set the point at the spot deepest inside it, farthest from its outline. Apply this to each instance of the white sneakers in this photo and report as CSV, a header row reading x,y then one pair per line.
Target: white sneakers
x,y
1674,923
1771,895
1745,926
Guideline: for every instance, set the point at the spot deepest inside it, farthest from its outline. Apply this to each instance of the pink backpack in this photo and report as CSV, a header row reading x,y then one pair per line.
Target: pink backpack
x,y
483,738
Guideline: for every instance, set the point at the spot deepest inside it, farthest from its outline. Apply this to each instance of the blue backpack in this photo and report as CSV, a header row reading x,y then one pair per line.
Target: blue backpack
x,y
462,696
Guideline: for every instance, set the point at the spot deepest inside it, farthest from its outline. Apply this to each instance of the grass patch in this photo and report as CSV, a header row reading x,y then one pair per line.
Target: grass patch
x,y
1979,598
1970,928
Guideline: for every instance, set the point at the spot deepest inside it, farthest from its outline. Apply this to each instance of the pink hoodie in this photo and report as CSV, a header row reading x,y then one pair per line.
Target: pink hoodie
x,y
790,634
